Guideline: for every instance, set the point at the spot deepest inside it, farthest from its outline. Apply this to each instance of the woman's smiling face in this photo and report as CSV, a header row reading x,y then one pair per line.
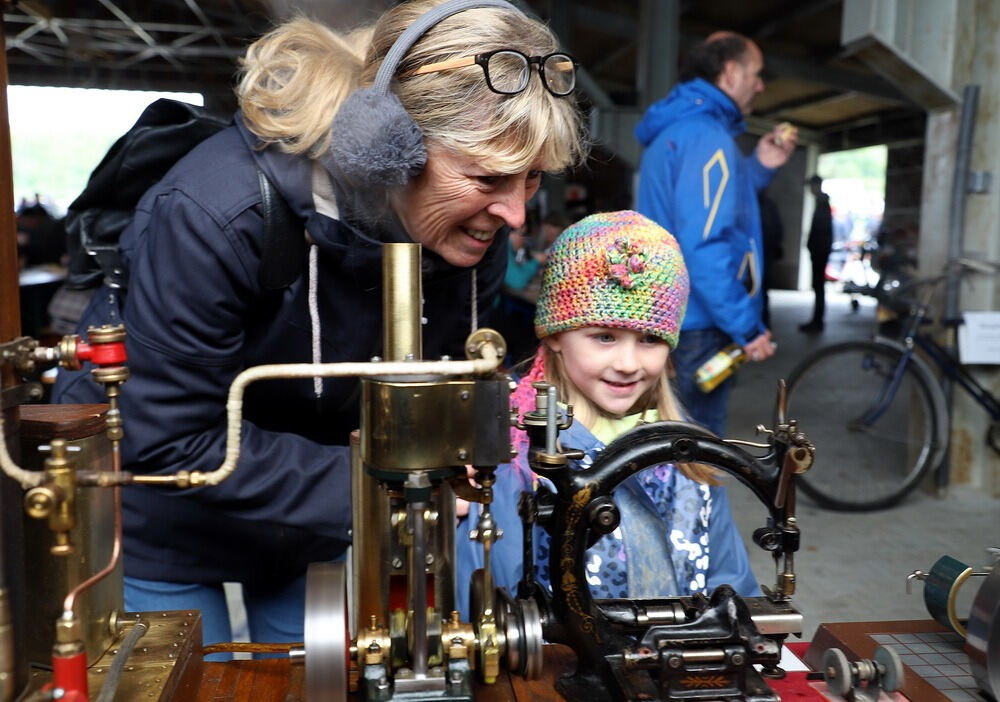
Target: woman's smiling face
x,y
455,206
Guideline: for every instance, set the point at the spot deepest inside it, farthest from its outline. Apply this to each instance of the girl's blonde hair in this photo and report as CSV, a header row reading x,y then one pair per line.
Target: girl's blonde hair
x,y
661,398
294,79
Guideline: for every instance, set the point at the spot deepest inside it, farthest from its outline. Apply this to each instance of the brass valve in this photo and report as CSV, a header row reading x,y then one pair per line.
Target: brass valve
x,y
55,500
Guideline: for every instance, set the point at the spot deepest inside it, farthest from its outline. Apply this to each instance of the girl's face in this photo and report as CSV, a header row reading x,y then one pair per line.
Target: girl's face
x,y
613,368
455,206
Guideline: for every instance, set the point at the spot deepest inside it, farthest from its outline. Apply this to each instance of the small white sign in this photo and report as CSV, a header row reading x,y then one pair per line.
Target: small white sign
x,y
979,338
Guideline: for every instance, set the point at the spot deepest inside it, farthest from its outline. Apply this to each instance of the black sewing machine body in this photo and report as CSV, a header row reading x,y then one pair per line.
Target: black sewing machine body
x,y
685,648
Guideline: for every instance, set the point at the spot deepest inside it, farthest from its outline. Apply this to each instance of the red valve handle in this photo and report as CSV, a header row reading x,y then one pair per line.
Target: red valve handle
x,y
106,354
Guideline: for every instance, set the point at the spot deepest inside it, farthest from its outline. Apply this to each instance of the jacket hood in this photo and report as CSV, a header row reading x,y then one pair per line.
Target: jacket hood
x,y
693,97
291,176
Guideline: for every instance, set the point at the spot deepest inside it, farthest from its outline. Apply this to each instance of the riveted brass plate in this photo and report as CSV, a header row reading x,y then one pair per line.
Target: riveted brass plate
x,y
165,664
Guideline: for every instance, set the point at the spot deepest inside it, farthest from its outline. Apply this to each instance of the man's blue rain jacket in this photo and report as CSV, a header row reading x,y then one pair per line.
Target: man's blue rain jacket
x,y
697,184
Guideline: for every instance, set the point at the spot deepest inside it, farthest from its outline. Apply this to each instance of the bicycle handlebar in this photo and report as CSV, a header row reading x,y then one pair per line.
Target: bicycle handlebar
x,y
898,301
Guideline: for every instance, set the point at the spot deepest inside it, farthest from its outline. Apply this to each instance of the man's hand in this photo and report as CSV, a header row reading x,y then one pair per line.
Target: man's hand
x,y
760,348
462,506
777,145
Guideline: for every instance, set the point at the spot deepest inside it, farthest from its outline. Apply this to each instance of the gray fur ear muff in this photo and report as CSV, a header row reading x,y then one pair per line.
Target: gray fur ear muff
x,y
374,141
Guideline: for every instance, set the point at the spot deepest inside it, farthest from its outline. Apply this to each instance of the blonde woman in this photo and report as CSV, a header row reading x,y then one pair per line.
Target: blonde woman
x,y
434,126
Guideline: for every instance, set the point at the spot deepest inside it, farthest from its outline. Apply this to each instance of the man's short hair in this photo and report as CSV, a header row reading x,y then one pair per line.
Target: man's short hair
x,y
709,58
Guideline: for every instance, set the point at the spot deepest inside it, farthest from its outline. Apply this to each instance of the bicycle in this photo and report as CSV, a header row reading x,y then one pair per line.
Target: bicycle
x,y
876,412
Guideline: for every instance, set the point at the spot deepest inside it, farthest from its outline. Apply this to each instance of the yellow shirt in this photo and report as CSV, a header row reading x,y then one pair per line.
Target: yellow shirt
x,y
607,429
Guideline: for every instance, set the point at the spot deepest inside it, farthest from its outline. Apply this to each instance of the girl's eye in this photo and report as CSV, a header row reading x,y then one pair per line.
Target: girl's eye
x,y
604,337
651,339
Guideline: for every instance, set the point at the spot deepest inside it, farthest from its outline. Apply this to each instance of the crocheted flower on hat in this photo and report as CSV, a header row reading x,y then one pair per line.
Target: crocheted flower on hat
x,y
626,263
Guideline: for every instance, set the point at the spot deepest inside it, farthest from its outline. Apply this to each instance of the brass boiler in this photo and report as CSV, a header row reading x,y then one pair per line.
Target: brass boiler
x,y
416,433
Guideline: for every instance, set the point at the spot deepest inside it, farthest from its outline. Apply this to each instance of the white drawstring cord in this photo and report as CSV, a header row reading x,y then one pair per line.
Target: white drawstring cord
x,y
314,317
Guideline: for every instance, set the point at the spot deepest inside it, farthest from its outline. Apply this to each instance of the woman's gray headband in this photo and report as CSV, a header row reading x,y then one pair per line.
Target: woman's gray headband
x,y
374,141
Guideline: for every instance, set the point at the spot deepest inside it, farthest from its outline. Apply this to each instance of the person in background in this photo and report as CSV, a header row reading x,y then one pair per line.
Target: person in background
x,y
515,304
523,264
696,183
611,304
819,243
553,225
377,136
772,234
41,238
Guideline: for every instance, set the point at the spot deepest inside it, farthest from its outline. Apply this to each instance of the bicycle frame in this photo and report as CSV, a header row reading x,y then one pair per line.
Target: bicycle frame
x,y
912,338
957,372
944,361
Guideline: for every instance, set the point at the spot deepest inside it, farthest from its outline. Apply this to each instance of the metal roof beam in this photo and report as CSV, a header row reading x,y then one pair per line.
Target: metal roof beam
x,y
801,11
837,78
611,23
196,10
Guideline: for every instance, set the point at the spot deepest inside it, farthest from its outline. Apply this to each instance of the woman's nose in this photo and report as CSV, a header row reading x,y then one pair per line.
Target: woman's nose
x,y
509,206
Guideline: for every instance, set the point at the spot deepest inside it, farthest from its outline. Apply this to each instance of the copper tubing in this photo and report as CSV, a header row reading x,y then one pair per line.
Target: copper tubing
x,y
247,647
116,549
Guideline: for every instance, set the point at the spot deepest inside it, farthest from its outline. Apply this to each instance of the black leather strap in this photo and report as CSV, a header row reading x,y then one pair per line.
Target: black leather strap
x,y
283,249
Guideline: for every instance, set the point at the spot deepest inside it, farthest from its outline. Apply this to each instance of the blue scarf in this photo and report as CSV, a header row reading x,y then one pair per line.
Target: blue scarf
x,y
661,547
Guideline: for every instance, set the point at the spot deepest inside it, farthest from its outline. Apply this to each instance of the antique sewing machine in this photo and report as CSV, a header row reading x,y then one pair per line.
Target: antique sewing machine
x,y
691,648
384,624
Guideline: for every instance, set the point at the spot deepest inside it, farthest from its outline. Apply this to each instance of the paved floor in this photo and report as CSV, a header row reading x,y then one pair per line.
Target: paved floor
x,y
853,567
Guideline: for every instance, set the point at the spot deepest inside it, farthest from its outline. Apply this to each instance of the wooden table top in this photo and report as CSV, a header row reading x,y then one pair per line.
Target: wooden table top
x,y
278,680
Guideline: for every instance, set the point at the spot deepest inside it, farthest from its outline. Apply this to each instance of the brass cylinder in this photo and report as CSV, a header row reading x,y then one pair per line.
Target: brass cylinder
x,y
401,302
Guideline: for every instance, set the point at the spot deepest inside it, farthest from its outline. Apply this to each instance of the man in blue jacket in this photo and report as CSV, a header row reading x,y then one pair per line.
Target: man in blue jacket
x,y
697,184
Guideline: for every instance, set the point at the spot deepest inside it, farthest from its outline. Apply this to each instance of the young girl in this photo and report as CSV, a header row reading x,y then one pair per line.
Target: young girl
x,y
611,304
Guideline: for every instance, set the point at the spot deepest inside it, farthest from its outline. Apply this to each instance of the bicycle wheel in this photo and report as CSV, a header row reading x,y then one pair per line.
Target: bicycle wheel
x,y
873,442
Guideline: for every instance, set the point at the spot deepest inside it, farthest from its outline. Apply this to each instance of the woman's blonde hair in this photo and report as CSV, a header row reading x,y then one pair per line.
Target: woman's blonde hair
x,y
294,79
660,397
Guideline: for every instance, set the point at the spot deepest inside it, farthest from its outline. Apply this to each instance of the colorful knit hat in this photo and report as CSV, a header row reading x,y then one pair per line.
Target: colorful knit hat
x,y
614,269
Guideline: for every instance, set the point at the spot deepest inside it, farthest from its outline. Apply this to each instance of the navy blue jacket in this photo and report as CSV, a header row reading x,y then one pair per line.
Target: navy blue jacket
x,y
196,316
696,184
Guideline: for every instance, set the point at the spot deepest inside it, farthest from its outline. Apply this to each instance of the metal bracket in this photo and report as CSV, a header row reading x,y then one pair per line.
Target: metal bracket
x,y
979,182
21,394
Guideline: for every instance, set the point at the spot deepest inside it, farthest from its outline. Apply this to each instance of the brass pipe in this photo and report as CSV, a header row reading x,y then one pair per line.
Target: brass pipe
x,y
116,548
401,302
487,362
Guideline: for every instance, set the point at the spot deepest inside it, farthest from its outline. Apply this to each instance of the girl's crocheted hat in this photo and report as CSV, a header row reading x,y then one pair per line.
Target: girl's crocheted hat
x,y
614,269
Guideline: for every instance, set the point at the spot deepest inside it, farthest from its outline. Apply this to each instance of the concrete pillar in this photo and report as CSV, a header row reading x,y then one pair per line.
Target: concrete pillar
x,y
972,461
788,192
656,73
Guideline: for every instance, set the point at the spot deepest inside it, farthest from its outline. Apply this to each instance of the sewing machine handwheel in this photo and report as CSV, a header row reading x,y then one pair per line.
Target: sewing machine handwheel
x,y
326,634
837,672
892,677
